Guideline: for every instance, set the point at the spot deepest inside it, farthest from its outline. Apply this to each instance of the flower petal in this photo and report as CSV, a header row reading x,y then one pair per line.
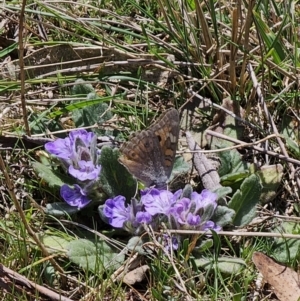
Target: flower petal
x,y
74,196
157,201
116,211
60,148
86,171
143,217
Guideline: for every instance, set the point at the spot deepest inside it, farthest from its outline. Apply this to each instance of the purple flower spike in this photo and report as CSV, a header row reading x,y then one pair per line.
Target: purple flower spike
x,y
86,171
83,135
116,211
157,201
75,197
162,205
204,199
181,212
194,212
78,153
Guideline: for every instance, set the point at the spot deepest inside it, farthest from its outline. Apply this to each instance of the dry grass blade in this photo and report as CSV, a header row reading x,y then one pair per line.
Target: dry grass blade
x,y
204,26
233,49
22,73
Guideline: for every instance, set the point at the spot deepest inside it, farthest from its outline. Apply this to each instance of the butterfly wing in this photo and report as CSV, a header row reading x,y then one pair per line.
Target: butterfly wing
x,y
137,155
149,155
166,130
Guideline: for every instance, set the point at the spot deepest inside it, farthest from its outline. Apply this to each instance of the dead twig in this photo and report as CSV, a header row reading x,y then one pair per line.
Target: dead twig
x,y
11,282
259,149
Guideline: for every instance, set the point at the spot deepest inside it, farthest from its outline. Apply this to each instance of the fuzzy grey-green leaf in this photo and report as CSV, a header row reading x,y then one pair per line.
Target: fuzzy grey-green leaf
x,y
53,178
95,257
60,209
244,201
115,179
226,265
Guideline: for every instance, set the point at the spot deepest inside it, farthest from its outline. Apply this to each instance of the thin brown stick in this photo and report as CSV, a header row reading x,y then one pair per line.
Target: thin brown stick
x,y
248,23
22,72
236,233
219,107
233,49
13,282
259,149
219,150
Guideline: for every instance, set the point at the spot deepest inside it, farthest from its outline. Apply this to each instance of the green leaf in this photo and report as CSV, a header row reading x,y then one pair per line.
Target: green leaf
x,y
207,212
235,177
270,177
244,201
290,131
60,209
293,146
272,42
204,246
80,104
96,257
135,244
53,178
54,243
114,177
223,216
286,249
231,162
50,275
81,87
226,265
179,167
94,114
40,123
230,128
6,50
222,191
187,191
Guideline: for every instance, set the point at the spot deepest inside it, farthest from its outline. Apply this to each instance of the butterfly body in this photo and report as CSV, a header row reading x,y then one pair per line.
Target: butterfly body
x,y
149,154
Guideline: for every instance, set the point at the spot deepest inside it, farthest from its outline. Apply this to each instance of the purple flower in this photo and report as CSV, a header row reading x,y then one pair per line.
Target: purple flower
x,y
170,242
115,210
61,148
128,217
75,197
158,201
78,153
181,212
85,137
143,217
193,220
194,212
184,213
210,225
205,199
86,171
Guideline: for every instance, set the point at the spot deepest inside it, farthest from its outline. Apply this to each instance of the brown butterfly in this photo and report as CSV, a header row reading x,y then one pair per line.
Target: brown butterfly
x,y
149,154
